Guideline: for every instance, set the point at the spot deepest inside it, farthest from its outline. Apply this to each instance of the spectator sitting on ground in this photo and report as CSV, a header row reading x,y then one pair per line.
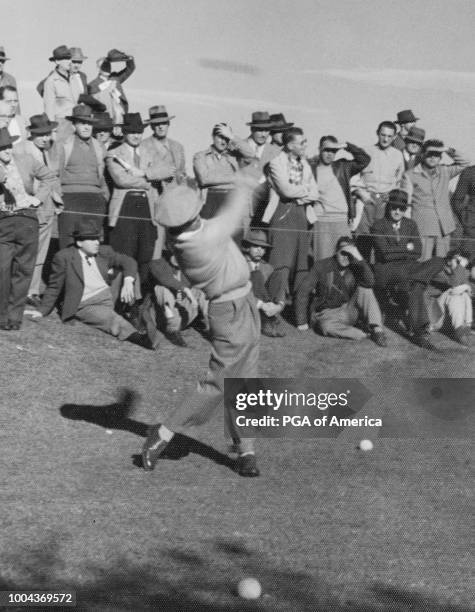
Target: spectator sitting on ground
x,y
254,246
82,272
343,293
453,307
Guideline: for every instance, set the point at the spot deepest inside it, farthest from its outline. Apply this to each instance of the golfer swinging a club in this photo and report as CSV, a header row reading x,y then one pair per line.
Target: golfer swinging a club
x,y
212,261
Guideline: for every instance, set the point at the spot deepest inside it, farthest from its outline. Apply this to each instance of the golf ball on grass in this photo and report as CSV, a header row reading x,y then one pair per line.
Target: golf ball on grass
x,y
249,588
366,445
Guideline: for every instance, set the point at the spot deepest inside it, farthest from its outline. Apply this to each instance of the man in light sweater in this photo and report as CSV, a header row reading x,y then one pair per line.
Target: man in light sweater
x,y
212,262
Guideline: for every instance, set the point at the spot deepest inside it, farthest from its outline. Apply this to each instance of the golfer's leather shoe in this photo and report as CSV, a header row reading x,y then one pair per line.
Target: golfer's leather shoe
x,y
247,466
153,447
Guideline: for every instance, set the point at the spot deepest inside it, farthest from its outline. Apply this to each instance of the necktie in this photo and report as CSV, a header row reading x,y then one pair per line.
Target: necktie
x,y
45,158
89,260
136,158
398,233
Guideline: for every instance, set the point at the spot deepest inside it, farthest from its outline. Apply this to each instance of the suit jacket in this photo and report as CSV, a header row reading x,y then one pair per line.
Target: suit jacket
x,y
429,196
119,77
40,88
124,181
255,165
58,96
37,179
211,172
174,153
67,276
37,182
388,248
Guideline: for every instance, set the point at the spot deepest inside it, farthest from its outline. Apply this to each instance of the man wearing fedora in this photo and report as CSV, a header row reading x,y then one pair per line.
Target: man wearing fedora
x,y
170,152
215,169
81,273
133,208
278,127
107,87
5,78
428,188
58,95
102,130
77,77
290,212
81,171
18,229
397,270
413,146
335,208
260,126
254,246
405,120
342,290
41,147
211,260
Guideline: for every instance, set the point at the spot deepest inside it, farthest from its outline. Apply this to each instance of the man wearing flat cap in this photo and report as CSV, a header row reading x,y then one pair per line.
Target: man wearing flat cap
x,y
107,87
211,260
428,188
169,152
215,169
405,120
398,248
81,171
58,95
81,274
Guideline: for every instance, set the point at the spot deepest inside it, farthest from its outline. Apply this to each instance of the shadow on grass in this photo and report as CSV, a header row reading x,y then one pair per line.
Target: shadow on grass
x,y
177,580
119,416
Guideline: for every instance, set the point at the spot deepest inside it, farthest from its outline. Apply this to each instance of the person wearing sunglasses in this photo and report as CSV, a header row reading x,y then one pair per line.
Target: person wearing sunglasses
x,y
428,188
398,272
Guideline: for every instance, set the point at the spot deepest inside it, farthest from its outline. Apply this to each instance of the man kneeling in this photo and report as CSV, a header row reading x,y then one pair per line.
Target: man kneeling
x,y
82,271
343,294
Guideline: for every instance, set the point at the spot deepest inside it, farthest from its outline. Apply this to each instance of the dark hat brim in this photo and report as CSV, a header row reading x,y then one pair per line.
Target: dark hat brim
x,y
42,130
260,124
57,59
399,122
158,120
90,120
259,243
281,128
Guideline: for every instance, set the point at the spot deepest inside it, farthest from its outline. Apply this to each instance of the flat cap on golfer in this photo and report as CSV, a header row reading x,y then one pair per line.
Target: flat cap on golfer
x,y
178,206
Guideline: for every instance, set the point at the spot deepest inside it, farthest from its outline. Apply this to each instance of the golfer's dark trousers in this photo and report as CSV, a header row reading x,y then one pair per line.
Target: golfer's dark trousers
x,y
134,233
411,279
18,249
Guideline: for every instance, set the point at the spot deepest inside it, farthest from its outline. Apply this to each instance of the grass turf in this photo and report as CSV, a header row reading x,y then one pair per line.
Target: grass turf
x,y
326,527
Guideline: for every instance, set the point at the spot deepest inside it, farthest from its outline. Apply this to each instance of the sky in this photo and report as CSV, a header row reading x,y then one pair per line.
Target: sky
x,y
330,67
